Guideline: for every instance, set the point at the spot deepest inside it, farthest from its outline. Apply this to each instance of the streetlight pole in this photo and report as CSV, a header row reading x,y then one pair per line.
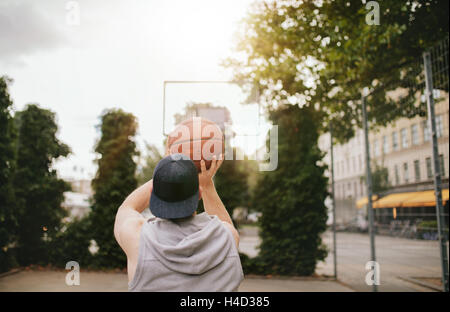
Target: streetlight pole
x,y
369,190
437,174
333,202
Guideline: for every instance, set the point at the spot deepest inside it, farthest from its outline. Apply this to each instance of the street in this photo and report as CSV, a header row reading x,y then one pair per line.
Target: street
x,y
403,264
54,280
402,261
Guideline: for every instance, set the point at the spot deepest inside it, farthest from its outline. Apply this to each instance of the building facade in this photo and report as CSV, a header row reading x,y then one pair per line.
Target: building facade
x,y
403,148
217,114
349,168
76,201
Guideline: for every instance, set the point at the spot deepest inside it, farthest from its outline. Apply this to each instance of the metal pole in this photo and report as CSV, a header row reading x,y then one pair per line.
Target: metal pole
x,y
333,203
164,108
437,174
369,187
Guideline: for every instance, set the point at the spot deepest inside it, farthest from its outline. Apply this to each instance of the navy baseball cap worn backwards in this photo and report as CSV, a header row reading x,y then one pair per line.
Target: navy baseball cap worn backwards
x,y
175,191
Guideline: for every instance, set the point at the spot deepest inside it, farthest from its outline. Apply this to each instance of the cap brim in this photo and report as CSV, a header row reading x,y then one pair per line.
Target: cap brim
x,y
173,210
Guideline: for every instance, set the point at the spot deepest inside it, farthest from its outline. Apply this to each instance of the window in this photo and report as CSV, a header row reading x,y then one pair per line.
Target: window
x,y
395,141
426,131
360,162
439,126
397,175
417,170
385,145
376,147
415,134
442,165
405,172
404,138
429,168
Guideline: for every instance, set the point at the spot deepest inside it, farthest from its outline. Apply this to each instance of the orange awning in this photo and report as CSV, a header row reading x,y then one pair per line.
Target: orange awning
x,y
409,199
392,200
425,199
363,201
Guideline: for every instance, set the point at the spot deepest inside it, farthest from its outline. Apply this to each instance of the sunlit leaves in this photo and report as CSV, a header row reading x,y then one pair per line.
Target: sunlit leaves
x,y
280,36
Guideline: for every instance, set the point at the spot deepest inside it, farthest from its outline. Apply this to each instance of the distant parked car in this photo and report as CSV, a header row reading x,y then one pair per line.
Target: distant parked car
x,y
358,224
240,214
254,216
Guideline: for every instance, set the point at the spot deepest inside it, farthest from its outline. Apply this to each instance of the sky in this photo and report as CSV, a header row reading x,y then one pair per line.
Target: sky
x,y
78,58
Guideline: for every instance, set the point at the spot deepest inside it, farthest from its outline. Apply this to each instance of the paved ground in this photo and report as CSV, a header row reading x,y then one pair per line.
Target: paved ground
x,y
399,259
97,281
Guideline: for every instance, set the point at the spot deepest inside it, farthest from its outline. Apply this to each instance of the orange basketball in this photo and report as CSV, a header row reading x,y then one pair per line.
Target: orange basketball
x,y
198,138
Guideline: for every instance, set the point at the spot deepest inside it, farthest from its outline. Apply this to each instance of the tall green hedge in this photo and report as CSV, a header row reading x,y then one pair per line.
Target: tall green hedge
x,y
8,222
72,244
38,190
114,181
291,198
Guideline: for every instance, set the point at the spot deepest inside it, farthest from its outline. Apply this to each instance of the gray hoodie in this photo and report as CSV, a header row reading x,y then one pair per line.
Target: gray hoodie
x,y
196,254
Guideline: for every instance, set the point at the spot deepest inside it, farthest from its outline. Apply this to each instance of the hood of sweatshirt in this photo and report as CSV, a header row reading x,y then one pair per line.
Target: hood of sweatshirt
x,y
191,246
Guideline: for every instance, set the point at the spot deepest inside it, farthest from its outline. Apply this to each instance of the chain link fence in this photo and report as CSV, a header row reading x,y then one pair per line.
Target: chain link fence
x,y
403,176
402,157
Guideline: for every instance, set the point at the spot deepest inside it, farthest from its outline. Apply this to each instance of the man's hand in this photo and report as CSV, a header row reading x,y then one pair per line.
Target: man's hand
x,y
206,175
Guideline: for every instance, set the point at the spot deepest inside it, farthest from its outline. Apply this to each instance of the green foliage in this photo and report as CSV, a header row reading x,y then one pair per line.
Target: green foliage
x,y
251,168
429,230
152,157
380,178
323,53
251,265
8,227
72,243
291,198
38,191
114,181
427,226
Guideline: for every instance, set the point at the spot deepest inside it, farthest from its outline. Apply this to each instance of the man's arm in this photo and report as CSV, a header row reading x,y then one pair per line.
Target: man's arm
x,y
129,216
211,201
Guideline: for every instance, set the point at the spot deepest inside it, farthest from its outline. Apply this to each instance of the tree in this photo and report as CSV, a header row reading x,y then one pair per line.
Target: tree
x,y
380,178
323,53
7,135
38,191
152,157
291,198
114,181
72,243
